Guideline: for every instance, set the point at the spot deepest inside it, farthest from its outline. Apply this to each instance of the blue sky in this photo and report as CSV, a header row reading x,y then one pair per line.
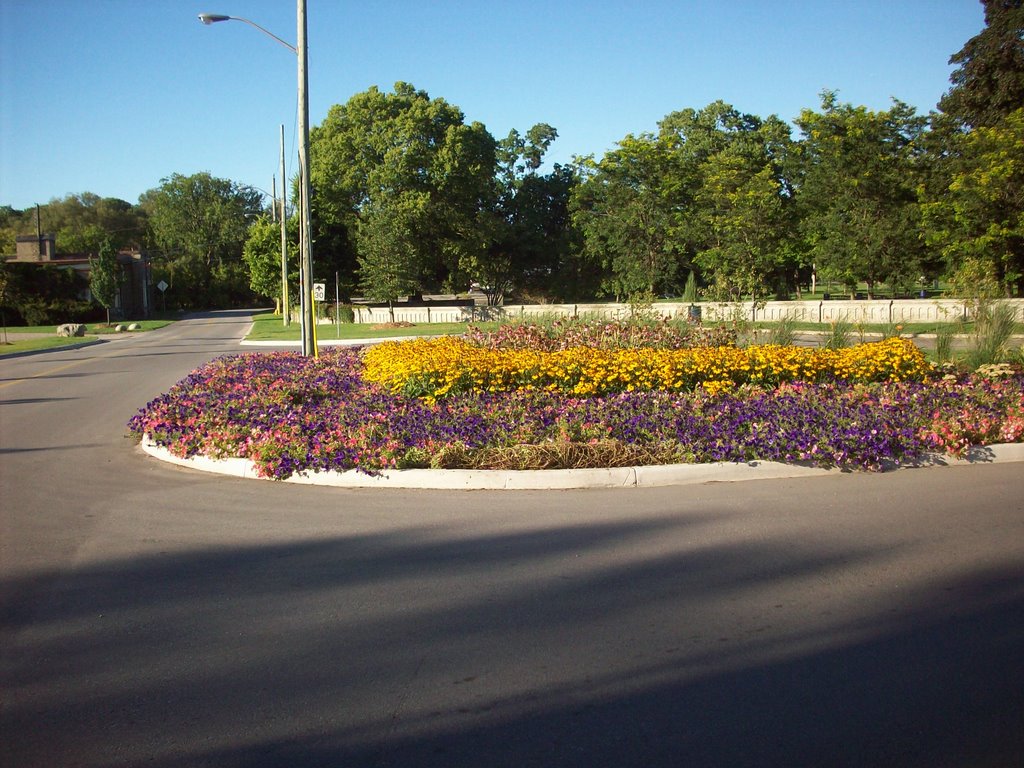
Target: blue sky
x,y
111,96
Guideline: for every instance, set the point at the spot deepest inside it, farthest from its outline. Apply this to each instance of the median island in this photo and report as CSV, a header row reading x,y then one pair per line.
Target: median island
x,y
574,394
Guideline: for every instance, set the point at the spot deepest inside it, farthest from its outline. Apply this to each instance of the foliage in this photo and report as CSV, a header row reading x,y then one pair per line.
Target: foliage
x,y
288,413
838,336
388,259
41,294
624,210
200,225
262,256
988,82
412,166
81,223
858,198
566,333
531,235
978,218
105,277
993,330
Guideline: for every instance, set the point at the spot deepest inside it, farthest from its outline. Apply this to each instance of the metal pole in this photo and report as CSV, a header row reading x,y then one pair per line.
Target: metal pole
x,y
285,309
305,238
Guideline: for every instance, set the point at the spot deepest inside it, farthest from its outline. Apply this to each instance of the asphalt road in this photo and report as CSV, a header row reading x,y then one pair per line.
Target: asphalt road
x,y
158,616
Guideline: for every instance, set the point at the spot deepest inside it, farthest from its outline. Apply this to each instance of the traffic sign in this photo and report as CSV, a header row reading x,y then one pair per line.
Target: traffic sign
x,y
319,291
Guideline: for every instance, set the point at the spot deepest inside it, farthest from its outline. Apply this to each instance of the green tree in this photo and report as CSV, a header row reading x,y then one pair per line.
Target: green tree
x,y
625,213
378,151
978,220
740,223
83,222
200,224
858,192
262,256
105,277
988,83
531,230
388,260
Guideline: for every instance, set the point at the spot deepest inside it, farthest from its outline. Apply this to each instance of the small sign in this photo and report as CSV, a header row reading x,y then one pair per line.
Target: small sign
x,y
162,286
319,291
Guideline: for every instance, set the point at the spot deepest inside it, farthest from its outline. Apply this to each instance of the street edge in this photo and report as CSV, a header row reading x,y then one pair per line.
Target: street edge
x,y
567,479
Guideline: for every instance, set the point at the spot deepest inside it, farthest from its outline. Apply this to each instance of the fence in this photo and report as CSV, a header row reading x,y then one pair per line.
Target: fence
x,y
866,311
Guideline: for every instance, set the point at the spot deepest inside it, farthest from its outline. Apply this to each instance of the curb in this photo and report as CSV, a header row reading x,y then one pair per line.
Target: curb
x,y
567,479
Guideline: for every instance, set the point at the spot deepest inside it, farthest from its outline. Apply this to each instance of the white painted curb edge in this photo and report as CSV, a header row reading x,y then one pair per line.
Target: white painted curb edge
x,y
563,479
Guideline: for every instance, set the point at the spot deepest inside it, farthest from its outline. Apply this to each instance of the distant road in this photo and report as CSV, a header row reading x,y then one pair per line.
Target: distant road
x,y
159,616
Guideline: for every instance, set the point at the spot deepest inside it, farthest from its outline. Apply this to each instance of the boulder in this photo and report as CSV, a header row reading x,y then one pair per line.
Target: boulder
x,y
71,329
119,328
134,327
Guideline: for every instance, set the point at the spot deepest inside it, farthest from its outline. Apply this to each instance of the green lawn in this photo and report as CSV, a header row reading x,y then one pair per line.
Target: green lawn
x,y
15,345
270,328
91,328
25,338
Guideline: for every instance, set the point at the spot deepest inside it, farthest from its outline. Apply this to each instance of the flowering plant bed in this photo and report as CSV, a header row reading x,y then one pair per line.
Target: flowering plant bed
x,y
293,414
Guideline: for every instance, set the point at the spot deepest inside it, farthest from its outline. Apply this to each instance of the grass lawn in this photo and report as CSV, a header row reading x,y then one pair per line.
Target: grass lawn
x,y
29,338
15,345
270,328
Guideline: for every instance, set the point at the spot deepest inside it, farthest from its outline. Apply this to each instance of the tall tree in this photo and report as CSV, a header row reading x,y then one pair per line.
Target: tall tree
x,y
83,222
624,210
200,224
531,232
378,151
105,277
978,220
388,261
988,83
262,256
858,192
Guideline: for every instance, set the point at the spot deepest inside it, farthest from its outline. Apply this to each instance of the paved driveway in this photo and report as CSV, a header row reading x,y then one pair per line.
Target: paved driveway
x,y
158,616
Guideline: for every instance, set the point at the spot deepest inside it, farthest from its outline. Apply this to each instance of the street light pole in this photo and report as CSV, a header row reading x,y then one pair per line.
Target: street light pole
x,y
305,232
305,237
285,309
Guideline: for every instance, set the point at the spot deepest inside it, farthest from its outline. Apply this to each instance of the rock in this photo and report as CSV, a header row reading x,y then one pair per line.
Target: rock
x,y
119,328
134,327
71,329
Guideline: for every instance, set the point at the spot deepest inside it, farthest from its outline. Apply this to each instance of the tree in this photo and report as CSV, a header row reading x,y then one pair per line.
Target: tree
x,y
371,156
388,261
857,193
988,83
200,223
105,277
740,224
978,220
262,256
746,226
83,222
624,211
531,230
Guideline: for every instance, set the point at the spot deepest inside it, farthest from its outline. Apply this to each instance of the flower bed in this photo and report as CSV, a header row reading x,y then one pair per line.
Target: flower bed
x,y
289,413
436,368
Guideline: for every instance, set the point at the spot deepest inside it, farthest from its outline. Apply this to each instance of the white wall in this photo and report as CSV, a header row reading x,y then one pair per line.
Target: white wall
x,y
881,311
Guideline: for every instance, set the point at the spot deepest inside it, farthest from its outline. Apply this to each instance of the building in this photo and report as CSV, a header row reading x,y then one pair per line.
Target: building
x,y
134,300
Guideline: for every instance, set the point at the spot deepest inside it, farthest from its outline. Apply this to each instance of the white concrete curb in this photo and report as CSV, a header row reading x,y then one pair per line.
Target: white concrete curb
x,y
564,479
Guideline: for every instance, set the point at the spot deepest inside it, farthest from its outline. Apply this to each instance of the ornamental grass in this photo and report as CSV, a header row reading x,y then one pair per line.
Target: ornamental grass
x,y
293,414
437,368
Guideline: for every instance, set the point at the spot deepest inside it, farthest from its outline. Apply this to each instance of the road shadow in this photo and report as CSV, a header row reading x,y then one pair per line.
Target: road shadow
x,y
552,647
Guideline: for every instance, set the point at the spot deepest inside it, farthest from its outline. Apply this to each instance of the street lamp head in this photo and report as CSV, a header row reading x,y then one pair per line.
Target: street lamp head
x,y
210,18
